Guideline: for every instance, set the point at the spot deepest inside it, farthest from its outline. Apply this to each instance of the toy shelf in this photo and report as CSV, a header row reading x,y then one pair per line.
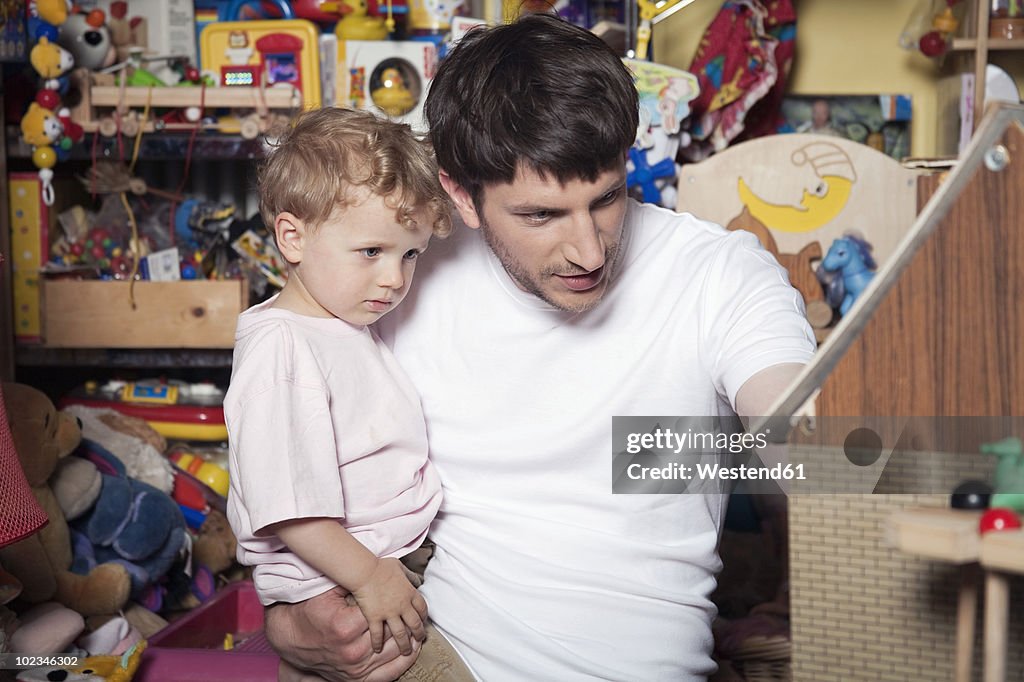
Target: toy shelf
x,y
109,108
974,46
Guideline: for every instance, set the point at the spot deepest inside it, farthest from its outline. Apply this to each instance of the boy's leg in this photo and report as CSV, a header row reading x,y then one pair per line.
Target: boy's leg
x,y
438,662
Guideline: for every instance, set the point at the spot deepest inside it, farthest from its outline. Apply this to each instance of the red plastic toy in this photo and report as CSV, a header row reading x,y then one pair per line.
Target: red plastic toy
x,y
999,518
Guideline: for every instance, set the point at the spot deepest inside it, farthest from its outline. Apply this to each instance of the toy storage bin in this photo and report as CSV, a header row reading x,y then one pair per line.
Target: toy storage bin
x,y
185,314
191,649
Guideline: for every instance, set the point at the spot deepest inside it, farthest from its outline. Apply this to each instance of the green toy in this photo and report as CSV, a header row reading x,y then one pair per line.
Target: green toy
x,y
1009,476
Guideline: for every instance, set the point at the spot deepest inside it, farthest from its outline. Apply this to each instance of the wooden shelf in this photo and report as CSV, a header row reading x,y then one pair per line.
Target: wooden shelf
x,y
971,44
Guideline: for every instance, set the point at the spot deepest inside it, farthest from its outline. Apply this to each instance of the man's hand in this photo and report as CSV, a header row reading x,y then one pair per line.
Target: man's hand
x,y
329,635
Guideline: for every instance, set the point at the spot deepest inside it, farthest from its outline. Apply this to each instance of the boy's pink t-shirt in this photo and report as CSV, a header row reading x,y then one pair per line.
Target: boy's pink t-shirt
x,y
322,422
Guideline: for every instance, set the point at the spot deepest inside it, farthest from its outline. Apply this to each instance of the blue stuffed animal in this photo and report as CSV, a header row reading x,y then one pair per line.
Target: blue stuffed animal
x,y
131,523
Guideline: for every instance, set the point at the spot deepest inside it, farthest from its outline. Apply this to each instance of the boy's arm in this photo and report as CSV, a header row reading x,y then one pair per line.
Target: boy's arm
x,y
379,585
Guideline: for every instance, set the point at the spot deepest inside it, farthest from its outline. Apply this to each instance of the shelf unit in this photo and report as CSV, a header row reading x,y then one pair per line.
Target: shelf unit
x,y
975,46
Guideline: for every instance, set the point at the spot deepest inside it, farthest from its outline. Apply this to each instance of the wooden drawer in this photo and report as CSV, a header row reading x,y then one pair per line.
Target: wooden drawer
x,y
99,314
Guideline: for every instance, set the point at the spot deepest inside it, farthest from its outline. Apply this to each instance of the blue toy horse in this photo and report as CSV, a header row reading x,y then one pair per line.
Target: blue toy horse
x,y
850,258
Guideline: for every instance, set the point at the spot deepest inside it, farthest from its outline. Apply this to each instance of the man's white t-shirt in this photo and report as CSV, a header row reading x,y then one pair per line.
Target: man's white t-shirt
x,y
541,572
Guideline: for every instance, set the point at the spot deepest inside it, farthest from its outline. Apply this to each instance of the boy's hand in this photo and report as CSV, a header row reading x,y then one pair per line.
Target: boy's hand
x,y
388,597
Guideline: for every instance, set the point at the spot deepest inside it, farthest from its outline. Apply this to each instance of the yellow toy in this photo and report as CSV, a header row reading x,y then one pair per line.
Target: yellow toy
x,y
271,53
40,127
392,96
54,12
50,60
355,24
91,669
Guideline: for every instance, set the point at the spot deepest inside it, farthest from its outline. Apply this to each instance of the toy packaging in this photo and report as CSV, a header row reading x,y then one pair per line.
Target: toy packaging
x,y
390,77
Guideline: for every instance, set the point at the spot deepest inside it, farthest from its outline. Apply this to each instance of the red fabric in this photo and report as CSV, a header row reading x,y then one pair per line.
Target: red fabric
x,y
738,64
20,514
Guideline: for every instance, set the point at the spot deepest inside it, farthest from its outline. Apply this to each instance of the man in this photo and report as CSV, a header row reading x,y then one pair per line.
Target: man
x,y
563,304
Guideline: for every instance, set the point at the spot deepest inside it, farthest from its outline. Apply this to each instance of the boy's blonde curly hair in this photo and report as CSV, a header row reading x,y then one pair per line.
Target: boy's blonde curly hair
x,y
327,153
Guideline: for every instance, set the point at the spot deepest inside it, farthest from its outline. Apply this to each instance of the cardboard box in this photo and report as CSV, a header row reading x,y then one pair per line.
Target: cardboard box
x,y
99,314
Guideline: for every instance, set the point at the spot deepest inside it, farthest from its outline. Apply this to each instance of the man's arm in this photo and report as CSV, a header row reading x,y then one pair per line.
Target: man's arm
x,y
328,635
758,393
756,396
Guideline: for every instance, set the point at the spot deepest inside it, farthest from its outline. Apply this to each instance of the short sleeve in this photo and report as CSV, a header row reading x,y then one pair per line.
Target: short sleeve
x,y
753,318
284,453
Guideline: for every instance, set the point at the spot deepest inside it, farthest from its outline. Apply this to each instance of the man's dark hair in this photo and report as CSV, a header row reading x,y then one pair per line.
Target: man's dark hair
x,y
539,91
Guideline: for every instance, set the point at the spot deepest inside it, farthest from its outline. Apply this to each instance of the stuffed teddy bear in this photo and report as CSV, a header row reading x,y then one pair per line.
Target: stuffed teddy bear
x,y
40,126
42,436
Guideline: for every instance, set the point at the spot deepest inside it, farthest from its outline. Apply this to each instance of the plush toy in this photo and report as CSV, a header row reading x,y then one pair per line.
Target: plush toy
x,y
42,436
40,126
216,545
51,61
132,524
86,37
91,669
54,12
132,440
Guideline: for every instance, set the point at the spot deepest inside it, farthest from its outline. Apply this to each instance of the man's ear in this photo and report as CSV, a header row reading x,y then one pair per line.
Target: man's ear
x,y
290,232
461,198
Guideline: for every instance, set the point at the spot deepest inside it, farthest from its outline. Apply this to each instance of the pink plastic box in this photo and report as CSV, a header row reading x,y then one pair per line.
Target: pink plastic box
x,y
191,649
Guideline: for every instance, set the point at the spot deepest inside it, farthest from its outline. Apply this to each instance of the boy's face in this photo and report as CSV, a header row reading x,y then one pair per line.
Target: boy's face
x,y
557,242
358,265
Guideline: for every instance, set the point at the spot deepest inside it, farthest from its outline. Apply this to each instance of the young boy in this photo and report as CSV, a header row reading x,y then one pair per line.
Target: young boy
x,y
330,481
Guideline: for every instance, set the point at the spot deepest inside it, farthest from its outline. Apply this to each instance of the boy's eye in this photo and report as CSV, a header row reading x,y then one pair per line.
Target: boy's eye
x,y
371,252
411,254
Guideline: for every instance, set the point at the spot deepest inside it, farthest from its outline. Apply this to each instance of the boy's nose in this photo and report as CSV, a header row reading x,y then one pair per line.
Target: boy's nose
x,y
391,277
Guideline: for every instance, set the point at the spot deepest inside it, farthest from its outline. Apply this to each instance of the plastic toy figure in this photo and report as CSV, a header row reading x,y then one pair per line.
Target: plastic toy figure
x,y
1009,476
851,258
392,96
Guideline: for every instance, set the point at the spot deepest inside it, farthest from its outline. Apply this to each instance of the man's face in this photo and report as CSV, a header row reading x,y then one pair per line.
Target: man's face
x,y
557,242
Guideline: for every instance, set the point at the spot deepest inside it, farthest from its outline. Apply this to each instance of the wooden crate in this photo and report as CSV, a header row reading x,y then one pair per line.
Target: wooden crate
x,y
98,314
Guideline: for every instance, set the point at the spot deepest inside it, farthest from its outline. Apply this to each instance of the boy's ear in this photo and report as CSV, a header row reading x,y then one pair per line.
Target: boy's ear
x,y
460,197
290,233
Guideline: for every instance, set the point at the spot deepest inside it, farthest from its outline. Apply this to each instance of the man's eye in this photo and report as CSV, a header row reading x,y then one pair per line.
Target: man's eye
x,y
411,254
371,252
539,216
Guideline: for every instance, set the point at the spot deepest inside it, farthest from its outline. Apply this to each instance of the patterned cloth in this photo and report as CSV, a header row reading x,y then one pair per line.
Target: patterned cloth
x,y
741,65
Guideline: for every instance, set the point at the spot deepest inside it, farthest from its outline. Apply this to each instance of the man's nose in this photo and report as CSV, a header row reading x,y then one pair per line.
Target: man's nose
x,y
584,245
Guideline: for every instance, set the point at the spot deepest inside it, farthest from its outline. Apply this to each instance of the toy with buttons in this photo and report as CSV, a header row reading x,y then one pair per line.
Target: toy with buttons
x,y
47,126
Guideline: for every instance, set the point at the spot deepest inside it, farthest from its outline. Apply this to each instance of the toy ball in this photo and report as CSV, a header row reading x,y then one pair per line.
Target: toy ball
x,y
997,519
44,157
971,495
932,44
48,99
96,18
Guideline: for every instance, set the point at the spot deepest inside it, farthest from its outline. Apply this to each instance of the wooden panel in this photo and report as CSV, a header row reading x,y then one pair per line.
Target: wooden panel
x,y
805,188
947,339
94,314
